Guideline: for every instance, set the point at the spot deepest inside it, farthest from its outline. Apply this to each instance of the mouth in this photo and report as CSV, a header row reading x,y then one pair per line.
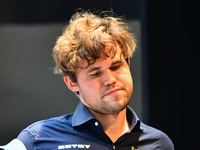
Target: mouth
x,y
112,92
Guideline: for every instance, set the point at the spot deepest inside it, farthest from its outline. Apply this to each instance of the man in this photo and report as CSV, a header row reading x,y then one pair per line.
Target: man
x,y
94,54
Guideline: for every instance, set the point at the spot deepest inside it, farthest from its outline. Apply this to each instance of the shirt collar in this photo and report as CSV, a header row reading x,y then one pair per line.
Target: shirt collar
x,y
82,115
132,119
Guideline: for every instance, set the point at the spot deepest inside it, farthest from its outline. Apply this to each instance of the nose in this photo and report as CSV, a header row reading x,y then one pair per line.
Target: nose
x,y
109,78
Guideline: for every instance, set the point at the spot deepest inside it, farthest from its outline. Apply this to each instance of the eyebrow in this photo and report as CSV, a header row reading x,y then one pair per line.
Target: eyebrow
x,y
92,69
117,62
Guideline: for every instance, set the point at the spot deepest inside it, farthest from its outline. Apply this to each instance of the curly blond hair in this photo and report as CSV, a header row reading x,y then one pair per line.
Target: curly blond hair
x,y
86,36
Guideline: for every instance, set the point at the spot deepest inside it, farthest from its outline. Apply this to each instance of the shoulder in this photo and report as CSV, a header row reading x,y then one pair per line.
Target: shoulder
x,y
44,128
162,140
52,123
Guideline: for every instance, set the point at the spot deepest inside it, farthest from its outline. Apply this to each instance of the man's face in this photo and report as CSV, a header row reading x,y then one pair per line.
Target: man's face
x,y
105,87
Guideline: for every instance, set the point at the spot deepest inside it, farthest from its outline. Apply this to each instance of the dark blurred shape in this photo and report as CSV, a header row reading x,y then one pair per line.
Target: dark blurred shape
x,y
45,11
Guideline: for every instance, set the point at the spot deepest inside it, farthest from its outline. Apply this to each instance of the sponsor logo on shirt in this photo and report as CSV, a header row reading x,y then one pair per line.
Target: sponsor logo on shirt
x,y
132,148
82,146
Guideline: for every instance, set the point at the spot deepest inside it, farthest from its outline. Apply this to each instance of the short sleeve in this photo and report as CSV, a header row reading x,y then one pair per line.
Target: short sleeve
x,y
26,139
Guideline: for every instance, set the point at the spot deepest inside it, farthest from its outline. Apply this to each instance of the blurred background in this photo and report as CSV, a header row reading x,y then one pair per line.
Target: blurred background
x,y
165,67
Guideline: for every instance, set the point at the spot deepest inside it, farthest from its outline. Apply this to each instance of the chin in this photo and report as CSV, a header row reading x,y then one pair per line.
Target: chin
x,y
116,109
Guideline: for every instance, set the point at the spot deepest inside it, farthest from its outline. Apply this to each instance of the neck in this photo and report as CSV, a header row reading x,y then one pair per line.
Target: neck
x,y
114,125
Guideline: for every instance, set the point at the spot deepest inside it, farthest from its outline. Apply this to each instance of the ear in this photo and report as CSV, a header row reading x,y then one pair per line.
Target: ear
x,y
70,84
128,61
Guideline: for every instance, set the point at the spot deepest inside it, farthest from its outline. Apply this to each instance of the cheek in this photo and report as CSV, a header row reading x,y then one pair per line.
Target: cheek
x,y
125,76
91,87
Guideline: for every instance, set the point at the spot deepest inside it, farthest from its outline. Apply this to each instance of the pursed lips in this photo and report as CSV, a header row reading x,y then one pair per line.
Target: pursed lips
x,y
112,92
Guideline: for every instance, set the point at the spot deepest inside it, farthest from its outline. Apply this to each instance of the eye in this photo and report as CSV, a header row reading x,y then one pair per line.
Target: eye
x,y
95,74
116,67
